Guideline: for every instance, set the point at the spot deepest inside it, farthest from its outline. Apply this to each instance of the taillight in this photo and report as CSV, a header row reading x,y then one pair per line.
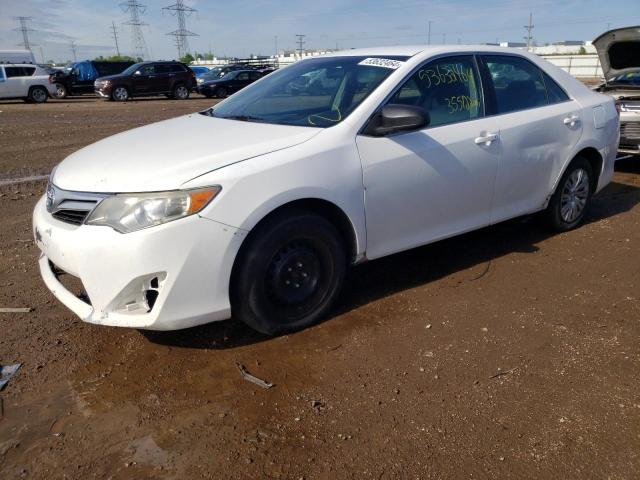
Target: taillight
x,y
51,79
193,74
618,108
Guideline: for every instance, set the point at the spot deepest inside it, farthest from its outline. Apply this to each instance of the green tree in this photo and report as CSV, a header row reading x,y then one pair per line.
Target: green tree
x,y
188,58
582,51
117,58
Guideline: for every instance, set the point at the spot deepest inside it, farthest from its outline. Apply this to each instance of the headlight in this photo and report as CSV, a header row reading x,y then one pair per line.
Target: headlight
x,y
622,107
199,80
129,212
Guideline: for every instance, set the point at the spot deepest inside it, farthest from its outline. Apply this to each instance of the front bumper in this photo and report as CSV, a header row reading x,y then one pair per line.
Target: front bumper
x,y
187,262
630,136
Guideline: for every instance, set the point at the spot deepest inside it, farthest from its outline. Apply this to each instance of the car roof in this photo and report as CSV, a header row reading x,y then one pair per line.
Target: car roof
x,y
425,50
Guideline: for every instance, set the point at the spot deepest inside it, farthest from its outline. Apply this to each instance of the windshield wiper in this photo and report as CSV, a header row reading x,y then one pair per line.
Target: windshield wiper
x,y
244,118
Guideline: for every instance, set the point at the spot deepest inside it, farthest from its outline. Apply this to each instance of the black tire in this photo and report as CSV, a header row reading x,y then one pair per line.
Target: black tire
x,y
221,92
208,95
120,93
38,94
181,92
61,91
288,274
570,201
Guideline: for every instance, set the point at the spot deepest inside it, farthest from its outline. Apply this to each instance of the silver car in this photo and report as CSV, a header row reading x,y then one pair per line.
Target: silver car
x,y
619,52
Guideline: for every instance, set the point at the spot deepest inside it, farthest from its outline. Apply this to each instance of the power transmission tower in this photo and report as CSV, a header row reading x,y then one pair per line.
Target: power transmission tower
x,y
300,41
74,50
529,29
181,11
25,30
114,34
135,10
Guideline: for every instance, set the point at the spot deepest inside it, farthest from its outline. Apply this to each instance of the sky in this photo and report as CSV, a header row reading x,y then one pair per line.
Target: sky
x,y
240,28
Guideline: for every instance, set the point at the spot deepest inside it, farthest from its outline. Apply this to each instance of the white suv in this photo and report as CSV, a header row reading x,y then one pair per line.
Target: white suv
x,y
29,82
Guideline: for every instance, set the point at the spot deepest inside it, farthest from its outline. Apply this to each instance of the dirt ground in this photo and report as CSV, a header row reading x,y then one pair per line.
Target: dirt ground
x,y
505,353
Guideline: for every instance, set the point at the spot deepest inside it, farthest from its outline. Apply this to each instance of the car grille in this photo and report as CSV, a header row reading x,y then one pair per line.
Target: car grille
x,y
630,130
71,207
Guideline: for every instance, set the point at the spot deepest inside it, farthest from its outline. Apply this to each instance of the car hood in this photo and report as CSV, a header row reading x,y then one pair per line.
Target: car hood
x,y
111,77
165,155
618,50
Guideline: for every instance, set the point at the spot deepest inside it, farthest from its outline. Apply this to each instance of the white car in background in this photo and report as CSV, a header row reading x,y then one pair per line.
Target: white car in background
x,y
261,206
29,82
619,53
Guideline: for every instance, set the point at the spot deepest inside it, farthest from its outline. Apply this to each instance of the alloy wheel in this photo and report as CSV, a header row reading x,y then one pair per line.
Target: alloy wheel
x,y
575,194
121,94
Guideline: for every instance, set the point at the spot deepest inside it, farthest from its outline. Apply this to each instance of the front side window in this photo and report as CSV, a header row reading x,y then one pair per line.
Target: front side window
x,y
318,92
2,77
148,70
447,88
517,83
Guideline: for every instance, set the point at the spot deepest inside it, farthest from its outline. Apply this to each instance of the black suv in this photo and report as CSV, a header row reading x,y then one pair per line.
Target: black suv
x,y
229,84
173,79
80,77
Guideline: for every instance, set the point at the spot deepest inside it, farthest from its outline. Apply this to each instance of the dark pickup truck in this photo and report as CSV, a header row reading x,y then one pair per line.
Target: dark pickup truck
x,y
79,78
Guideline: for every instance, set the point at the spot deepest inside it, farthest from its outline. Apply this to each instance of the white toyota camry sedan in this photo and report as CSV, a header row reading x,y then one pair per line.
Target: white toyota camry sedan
x,y
257,206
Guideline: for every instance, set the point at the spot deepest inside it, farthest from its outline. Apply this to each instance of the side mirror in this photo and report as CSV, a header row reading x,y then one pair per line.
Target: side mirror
x,y
137,72
397,118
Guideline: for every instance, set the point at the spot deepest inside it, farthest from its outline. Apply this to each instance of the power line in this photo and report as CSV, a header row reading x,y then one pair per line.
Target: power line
x,y
300,41
181,11
135,10
529,28
114,34
25,30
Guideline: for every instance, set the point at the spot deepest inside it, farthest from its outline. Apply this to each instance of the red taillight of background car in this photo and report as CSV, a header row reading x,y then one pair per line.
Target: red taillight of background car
x,y
193,74
51,79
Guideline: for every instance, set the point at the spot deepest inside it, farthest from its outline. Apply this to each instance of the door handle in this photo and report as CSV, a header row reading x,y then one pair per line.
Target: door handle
x,y
486,139
571,121
151,76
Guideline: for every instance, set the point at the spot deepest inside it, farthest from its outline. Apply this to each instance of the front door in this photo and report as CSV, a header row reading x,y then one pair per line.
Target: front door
x,y
434,183
145,82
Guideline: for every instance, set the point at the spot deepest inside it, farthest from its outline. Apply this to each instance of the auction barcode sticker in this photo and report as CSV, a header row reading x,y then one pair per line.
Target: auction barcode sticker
x,y
382,62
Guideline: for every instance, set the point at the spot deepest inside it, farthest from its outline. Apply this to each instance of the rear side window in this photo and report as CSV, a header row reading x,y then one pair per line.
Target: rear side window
x,y
255,75
517,83
447,88
243,76
2,77
12,72
555,94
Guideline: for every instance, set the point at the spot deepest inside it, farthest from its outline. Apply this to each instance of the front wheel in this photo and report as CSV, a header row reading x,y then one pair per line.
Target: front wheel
x,y
221,92
289,274
61,91
180,92
120,94
569,202
38,95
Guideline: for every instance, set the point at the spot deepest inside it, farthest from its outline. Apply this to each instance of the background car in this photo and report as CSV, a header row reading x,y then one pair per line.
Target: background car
x,y
30,82
199,70
173,79
80,77
618,53
229,83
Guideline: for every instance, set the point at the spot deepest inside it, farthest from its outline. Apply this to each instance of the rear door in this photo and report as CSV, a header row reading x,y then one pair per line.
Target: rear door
x,y
433,183
539,126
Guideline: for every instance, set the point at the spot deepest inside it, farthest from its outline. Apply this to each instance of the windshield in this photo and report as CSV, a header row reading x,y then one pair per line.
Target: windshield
x,y
318,92
131,70
629,78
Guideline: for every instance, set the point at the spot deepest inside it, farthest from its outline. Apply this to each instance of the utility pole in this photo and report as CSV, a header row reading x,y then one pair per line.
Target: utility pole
x,y
74,50
25,30
300,43
529,29
181,12
114,34
444,38
276,39
429,34
135,10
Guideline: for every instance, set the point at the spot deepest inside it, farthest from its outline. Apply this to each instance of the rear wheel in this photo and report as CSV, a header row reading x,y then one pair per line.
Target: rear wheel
x,y
569,202
180,92
38,94
289,274
120,94
221,92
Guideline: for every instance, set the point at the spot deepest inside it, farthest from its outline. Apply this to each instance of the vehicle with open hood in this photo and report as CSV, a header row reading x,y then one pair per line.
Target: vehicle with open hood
x,y
257,206
619,53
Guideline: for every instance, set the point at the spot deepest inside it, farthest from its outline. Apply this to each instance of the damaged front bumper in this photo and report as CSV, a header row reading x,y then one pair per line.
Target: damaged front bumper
x,y
167,277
